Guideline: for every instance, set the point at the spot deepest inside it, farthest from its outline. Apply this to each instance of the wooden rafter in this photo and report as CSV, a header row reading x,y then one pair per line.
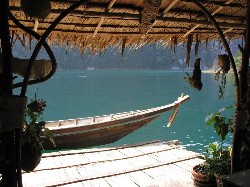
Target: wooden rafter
x,y
213,13
112,2
135,17
103,33
219,3
174,11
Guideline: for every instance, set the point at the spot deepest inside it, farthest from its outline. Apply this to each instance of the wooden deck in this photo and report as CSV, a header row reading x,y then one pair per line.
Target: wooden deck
x,y
151,164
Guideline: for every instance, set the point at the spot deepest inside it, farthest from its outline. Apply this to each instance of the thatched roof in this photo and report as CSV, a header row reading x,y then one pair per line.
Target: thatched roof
x,y
104,23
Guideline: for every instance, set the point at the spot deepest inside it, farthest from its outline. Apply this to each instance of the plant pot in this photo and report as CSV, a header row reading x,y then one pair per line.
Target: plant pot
x,y
219,181
201,179
30,156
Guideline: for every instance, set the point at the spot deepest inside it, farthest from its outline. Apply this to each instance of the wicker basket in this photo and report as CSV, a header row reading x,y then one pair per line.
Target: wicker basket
x,y
148,15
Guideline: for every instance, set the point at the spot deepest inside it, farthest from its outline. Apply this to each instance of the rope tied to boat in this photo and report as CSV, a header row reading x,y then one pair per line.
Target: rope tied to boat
x,y
12,112
240,120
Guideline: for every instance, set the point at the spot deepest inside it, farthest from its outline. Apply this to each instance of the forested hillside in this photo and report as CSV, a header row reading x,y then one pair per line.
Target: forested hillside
x,y
148,57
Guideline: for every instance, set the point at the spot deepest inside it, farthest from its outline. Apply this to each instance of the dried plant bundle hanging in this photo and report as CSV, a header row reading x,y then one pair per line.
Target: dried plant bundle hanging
x,y
189,45
195,80
197,43
148,15
224,62
36,9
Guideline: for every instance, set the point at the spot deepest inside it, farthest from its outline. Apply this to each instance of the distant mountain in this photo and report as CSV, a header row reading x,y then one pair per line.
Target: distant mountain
x,y
147,57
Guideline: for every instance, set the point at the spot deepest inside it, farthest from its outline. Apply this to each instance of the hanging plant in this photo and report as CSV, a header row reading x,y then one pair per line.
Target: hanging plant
x,y
189,46
34,131
224,62
195,80
221,76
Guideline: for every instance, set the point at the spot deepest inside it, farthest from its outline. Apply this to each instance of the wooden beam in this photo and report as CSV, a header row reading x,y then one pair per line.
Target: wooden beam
x,y
171,5
136,10
219,3
119,5
135,17
228,30
112,2
213,13
109,26
79,32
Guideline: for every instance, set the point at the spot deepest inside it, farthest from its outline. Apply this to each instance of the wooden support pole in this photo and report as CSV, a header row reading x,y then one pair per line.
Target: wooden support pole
x,y
243,136
8,164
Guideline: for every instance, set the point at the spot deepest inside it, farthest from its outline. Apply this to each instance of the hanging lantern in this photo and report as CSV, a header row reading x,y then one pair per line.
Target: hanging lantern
x,y
224,62
36,9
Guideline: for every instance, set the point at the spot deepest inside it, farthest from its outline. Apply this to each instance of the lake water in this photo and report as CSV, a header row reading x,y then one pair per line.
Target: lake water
x,y
77,93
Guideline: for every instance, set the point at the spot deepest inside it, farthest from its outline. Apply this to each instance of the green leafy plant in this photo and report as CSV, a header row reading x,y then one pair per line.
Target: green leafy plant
x,y
34,129
218,159
222,125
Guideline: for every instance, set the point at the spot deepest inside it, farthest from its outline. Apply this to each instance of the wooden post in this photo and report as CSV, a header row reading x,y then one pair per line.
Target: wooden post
x,y
245,94
8,165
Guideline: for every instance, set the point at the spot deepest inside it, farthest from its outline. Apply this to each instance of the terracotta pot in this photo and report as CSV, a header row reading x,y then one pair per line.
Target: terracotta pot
x,y
30,156
202,179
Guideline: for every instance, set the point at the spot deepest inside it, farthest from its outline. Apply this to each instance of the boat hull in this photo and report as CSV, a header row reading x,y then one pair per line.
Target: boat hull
x,y
100,130
82,138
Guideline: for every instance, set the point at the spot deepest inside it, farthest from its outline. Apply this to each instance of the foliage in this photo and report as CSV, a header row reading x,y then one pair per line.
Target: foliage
x,y
222,125
34,128
217,159
221,76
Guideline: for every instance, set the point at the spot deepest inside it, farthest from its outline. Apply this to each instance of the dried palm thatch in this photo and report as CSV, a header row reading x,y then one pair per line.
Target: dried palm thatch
x,y
106,23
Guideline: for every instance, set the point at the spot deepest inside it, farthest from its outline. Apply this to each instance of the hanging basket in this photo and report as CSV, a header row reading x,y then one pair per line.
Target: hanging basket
x,y
40,68
148,14
12,110
30,156
224,62
36,9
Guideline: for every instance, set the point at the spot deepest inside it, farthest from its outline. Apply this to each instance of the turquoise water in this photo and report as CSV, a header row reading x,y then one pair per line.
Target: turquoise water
x,y
77,93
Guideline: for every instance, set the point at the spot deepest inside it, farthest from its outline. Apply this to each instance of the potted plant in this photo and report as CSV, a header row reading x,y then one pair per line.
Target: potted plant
x,y
217,160
34,130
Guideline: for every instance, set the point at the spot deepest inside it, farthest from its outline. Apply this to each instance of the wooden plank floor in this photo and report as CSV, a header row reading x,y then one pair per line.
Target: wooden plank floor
x,y
148,164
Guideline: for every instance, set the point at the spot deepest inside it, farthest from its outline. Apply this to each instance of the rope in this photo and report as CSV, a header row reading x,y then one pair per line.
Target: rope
x,y
12,110
240,120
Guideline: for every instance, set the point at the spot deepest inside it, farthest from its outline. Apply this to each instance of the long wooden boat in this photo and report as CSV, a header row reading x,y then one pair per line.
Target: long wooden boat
x,y
100,130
